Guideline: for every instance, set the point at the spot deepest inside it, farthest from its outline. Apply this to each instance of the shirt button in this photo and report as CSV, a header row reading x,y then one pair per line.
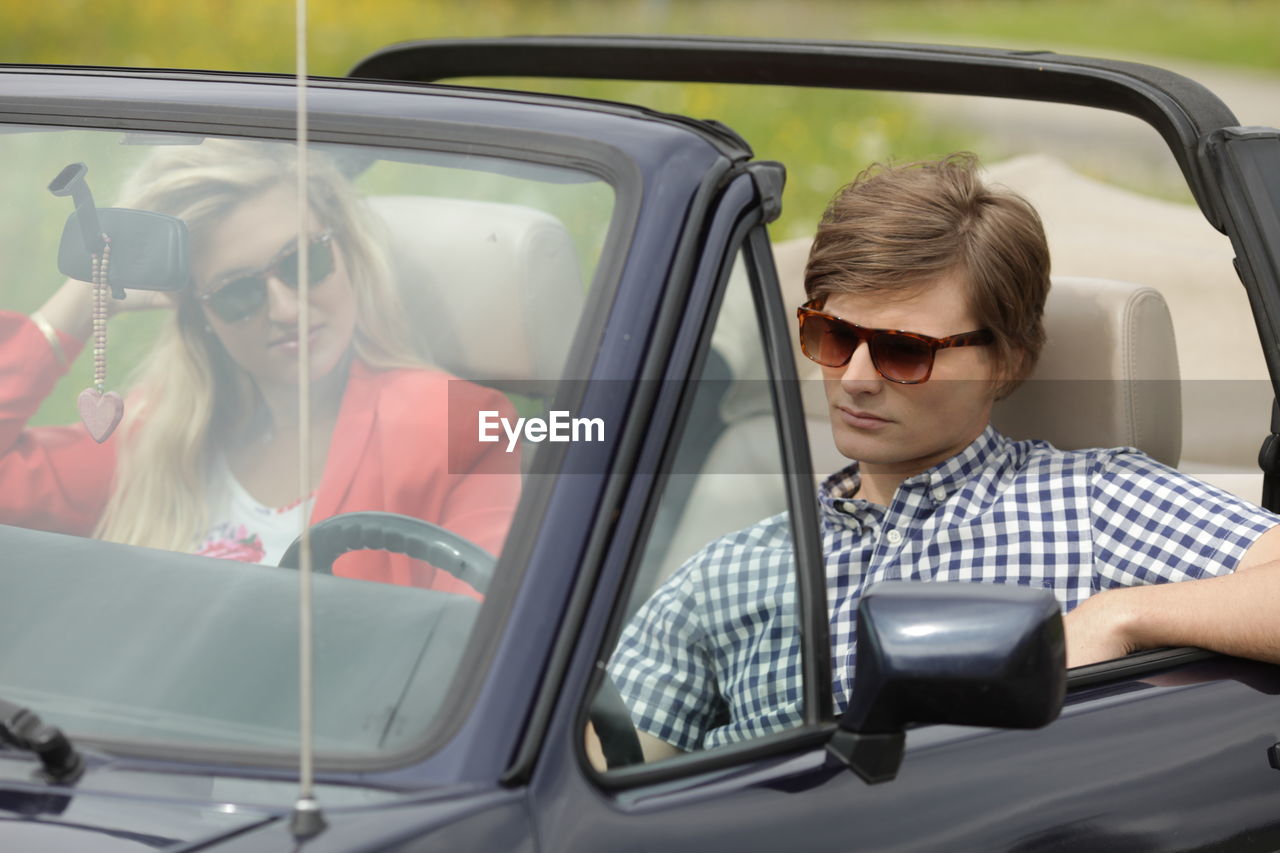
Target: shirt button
x,y
939,494
894,537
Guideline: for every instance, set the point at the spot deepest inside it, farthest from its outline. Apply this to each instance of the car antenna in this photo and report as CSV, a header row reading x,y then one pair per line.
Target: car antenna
x,y
307,820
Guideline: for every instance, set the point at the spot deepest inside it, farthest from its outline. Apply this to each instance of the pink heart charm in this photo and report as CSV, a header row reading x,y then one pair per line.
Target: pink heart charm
x,y
100,412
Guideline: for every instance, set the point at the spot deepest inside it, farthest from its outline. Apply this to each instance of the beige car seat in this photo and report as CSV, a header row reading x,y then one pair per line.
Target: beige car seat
x,y
492,290
1104,231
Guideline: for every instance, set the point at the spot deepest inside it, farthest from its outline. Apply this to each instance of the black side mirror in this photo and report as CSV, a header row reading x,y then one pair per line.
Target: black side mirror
x,y
970,654
148,250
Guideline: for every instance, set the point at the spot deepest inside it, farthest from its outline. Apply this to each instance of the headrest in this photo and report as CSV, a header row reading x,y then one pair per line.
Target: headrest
x,y
1107,377
1100,230
491,288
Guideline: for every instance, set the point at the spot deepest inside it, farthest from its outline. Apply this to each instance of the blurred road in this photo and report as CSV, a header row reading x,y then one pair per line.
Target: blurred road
x,y
1111,146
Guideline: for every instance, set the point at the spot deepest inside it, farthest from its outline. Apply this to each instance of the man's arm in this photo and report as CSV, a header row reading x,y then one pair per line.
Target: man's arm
x,y
656,749
1234,614
652,748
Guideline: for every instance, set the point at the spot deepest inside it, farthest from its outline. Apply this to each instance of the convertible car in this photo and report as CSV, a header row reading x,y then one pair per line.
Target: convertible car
x,y
588,330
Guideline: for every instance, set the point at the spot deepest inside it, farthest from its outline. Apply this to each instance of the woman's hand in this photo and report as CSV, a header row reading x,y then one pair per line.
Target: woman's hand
x,y
140,300
70,308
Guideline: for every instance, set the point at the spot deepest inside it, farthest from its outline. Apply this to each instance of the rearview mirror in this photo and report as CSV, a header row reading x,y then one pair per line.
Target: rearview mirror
x,y
148,250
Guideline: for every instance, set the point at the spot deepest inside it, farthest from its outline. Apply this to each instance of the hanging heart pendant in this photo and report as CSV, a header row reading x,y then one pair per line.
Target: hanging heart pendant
x,y
100,412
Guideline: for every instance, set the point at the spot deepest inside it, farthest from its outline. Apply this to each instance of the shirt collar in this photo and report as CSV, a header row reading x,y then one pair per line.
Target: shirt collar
x,y
835,495
950,474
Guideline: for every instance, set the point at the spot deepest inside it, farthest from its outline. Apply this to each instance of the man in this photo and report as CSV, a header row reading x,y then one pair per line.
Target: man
x,y
935,493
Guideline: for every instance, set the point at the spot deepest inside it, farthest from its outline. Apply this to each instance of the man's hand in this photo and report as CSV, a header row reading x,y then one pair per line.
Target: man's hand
x,y
1234,614
1099,629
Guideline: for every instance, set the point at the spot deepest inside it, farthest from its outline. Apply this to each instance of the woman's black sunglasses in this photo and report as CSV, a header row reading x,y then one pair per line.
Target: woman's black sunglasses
x,y
903,357
244,294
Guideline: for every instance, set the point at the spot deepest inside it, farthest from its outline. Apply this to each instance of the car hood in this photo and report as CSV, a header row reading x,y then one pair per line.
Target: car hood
x,y
121,808
31,819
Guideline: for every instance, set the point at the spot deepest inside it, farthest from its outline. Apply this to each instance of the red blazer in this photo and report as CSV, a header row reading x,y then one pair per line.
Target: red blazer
x,y
391,450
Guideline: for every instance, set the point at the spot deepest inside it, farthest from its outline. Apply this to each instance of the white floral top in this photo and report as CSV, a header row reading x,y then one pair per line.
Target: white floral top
x,y
244,529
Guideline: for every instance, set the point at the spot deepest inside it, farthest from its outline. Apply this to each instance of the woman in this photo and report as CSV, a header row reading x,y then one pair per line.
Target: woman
x,y
206,458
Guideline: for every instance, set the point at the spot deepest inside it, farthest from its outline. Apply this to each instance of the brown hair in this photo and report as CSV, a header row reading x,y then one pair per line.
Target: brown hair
x,y
896,229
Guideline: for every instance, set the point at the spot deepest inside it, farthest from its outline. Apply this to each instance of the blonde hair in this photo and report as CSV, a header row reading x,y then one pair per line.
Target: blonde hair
x,y
898,228
188,390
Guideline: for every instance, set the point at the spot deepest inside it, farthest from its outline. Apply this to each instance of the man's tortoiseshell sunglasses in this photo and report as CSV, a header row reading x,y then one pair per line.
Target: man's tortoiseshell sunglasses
x,y
903,357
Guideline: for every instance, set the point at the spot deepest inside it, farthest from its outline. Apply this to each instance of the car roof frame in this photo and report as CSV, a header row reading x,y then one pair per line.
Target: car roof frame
x,y
1183,111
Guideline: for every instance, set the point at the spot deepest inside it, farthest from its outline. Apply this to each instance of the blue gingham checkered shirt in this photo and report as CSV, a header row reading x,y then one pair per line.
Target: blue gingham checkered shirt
x,y
714,656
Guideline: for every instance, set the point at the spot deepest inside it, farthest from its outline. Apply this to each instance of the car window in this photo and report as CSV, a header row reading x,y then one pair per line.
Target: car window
x,y
445,290
715,587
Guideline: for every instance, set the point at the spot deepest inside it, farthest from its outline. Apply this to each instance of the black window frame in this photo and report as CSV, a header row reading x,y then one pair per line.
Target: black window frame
x,y
749,240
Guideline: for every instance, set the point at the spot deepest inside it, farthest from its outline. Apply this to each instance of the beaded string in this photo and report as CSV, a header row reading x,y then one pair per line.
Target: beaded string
x,y
100,409
101,271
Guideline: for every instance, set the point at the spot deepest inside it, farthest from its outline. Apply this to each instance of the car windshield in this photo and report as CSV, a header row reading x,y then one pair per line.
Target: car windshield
x,y
144,598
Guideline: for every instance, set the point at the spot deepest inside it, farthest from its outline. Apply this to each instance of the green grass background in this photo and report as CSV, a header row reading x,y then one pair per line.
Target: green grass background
x,y
823,137
253,35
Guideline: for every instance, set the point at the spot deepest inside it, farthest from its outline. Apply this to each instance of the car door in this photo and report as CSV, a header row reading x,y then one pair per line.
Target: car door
x,y
1106,775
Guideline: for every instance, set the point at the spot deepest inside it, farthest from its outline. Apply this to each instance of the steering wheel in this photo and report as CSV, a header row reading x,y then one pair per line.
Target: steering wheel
x,y
467,561
399,534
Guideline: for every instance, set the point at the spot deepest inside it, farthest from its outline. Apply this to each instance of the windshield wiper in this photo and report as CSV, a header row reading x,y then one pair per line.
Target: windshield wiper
x,y
22,729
